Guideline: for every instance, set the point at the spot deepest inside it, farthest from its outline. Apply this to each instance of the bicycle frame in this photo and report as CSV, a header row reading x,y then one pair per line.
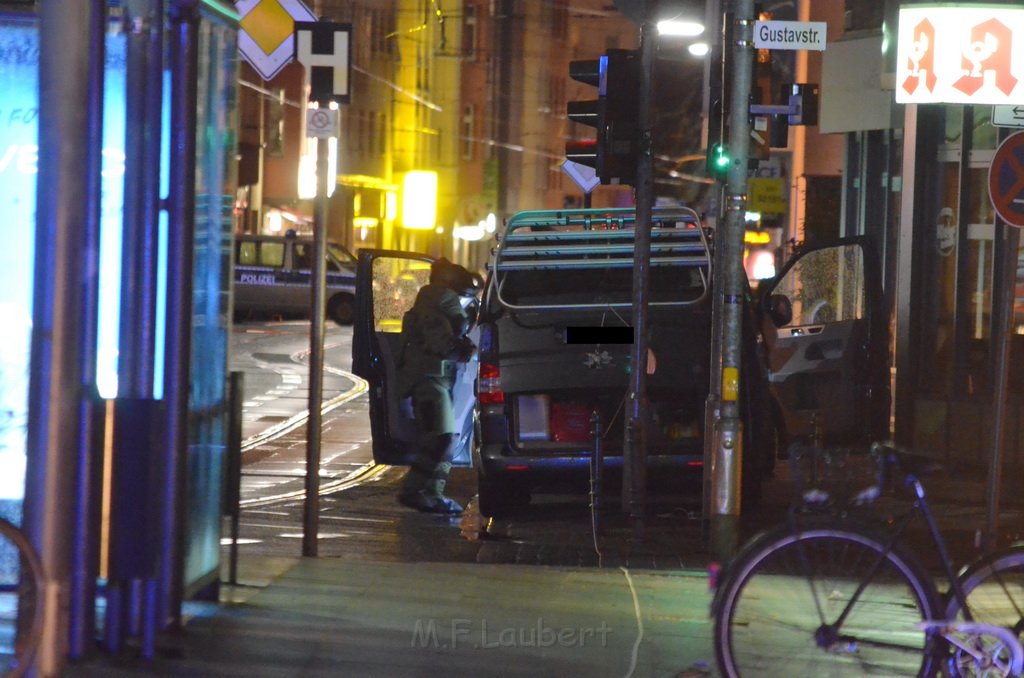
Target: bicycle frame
x,y
828,634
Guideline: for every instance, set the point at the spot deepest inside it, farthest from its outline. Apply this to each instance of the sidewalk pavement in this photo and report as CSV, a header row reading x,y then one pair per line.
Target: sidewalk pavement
x,y
333,617
359,617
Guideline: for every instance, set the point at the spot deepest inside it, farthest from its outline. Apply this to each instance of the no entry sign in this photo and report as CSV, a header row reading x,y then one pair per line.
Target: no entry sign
x,y
1006,180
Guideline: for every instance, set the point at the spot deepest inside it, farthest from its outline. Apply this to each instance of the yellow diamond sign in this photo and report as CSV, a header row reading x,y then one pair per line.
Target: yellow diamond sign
x,y
265,38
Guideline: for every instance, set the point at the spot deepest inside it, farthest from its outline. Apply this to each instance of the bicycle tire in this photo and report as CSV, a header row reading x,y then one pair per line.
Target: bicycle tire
x,y
22,587
766,616
994,591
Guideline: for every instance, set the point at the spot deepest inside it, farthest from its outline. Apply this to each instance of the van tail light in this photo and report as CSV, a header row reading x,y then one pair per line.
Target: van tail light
x,y
489,385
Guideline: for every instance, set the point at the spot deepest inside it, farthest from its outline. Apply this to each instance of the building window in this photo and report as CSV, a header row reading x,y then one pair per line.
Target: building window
x,y
560,20
469,30
468,132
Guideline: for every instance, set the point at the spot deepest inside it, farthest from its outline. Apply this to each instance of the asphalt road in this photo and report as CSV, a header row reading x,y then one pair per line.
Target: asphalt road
x,y
359,516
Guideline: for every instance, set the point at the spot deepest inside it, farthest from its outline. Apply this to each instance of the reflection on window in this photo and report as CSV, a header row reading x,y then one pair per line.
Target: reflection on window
x,y
826,286
395,285
272,254
246,253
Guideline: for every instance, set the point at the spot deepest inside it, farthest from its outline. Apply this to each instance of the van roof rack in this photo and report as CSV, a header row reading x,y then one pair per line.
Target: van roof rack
x,y
554,241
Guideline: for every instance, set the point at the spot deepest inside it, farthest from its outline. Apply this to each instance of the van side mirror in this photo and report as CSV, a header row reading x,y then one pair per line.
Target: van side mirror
x,y
779,309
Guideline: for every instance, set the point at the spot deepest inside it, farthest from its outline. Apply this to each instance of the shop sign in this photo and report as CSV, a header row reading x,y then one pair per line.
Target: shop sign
x,y
766,196
960,55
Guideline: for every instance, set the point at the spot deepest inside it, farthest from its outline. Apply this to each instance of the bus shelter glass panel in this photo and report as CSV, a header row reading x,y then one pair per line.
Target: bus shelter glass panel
x,y
215,192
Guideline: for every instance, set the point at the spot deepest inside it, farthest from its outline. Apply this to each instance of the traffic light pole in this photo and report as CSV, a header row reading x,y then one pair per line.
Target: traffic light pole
x,y
635,459
727,446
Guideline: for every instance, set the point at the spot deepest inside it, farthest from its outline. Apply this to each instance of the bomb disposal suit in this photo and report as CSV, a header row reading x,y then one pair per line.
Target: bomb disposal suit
x,y
434,341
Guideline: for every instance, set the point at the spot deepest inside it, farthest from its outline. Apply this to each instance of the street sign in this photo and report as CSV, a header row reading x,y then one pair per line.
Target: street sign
x,y
1008,115
322,123
790,35
325,49
1006,180
265,35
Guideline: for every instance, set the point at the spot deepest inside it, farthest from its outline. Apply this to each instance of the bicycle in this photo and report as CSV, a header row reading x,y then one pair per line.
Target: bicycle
x,y
831,592
21,601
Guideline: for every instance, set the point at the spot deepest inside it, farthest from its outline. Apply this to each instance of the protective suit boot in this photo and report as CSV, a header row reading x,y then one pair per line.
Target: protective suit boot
x,y
435,488
414,490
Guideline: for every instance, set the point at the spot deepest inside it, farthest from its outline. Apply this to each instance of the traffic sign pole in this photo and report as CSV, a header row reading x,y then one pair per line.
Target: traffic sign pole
x,y
325,51
1006,160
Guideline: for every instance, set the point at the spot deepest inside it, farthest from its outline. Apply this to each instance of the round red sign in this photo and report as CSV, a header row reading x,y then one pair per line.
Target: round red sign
x,y
1006,180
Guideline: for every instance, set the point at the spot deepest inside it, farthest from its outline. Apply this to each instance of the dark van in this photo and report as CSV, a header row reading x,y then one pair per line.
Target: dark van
x,y
555,334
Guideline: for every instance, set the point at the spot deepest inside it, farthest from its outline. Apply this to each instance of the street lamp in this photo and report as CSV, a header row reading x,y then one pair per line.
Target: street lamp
x,y
680,26
677,22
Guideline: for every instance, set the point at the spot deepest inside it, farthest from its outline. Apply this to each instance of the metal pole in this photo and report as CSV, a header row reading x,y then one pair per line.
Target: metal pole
x,y
55,380
1002,330
727,454
143,104
311,507
714,75
1011,242
180,245
635,460
233,470
85,545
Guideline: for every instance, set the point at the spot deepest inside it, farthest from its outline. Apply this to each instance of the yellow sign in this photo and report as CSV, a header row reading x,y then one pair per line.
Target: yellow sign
x,y
730,384
767,196
267,26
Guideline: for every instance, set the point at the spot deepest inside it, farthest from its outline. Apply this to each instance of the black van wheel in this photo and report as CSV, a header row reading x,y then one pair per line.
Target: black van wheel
x,y
340,309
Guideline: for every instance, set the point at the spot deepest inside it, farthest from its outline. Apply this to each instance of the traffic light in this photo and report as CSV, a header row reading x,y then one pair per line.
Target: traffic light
x,y
613,154
718,161
590,113
621,89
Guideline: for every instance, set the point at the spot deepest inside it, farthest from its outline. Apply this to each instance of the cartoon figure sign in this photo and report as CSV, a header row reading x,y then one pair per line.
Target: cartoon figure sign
x,y
960,55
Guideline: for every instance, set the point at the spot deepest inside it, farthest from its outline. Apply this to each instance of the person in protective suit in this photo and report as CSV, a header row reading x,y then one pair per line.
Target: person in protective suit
x,y
433,342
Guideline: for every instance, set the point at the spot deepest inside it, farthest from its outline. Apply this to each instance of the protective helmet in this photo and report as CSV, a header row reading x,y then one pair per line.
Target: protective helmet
x,y
455,278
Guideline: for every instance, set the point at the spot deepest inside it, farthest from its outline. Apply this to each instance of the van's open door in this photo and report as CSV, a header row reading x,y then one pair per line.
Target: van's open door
x,y
827,343
386,286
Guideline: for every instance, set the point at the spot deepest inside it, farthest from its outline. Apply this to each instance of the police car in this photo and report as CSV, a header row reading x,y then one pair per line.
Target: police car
x,y
273,276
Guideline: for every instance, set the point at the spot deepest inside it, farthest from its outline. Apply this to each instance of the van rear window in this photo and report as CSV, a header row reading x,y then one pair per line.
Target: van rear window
x,y
599,285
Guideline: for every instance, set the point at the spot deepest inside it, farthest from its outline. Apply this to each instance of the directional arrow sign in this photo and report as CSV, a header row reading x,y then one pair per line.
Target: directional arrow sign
x,y
1008,115
584,176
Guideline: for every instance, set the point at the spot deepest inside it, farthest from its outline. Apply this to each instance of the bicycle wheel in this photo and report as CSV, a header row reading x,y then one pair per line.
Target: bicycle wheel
x,y
775,609
21,601
994,590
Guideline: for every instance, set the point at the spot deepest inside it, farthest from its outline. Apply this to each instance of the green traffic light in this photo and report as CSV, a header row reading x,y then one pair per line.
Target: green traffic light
x,y
718,160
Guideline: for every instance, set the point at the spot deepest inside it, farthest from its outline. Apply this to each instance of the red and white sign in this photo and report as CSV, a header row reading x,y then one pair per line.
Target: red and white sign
x,y
1006,180
960,55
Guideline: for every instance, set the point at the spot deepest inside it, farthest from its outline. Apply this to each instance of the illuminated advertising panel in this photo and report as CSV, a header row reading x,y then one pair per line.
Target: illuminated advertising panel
x,y
19,117
960,55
